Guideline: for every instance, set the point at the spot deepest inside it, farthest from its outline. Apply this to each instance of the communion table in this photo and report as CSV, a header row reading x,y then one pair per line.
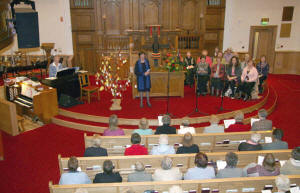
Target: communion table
x,y
159,82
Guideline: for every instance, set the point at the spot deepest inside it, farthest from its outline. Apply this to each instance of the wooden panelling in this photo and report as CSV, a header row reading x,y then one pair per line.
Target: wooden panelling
x,y
8,114
285,30
287,62
288,13
111,23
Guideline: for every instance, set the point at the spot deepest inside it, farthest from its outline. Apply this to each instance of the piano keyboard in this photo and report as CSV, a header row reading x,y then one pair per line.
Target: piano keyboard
x,y
24,101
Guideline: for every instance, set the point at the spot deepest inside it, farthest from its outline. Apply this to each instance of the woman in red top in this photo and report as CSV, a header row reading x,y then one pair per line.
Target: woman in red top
x,y
217,77
238,126
136,148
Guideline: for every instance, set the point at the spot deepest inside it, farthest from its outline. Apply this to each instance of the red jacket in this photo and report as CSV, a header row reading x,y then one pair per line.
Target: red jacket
x,y
238,127
221,71
136,149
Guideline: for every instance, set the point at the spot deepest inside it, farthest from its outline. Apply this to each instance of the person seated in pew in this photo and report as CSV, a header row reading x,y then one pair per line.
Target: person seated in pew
x,y
167,172
277,141
108,176
202,170
187,145
231,171
163,148
73,176
185,128
95,150
252,144
214,127
143,128
113,129
292,166
175,189
268,167
283,184
136,148
238,126
140,175
165,128
263,124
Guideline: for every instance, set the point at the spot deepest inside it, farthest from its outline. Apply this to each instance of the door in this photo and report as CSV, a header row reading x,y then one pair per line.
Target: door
x,y
262,42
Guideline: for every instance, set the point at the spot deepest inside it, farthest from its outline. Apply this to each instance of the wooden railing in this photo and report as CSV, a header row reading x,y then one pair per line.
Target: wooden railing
x,y
189,42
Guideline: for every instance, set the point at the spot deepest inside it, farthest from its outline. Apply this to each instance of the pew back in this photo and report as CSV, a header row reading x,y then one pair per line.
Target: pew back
x,y
125,164
250,184
208,142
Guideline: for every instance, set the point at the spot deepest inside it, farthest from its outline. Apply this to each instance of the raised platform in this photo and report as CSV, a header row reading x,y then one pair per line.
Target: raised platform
x,y
94,117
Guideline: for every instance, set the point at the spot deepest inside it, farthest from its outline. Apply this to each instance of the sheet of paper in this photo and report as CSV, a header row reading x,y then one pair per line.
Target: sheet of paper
x,y
282,162
268,139
266,191
228,122
79,169
221,164
253,120
160,123
50,78
260,160
295,190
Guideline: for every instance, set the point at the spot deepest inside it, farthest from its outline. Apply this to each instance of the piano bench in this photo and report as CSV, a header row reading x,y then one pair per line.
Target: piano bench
x,y
21,123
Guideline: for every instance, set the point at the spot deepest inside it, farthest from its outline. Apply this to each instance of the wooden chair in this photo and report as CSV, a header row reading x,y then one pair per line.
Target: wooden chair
x,y
86,88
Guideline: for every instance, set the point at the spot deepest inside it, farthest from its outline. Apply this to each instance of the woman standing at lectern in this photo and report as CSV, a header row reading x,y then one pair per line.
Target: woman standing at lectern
x,y
142,72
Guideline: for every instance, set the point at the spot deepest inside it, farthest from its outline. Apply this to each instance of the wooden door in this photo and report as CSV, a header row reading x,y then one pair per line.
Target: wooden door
x,y
262,42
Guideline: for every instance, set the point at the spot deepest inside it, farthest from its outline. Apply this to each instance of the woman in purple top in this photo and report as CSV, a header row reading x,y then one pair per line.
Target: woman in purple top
x,y
263,71
268,167
113,129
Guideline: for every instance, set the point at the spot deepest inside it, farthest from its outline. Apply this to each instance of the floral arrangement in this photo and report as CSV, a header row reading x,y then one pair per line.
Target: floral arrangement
x,y
173,62
108,76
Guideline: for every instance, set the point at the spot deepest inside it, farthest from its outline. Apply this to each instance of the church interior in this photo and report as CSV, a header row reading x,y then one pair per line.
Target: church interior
x,y
149,96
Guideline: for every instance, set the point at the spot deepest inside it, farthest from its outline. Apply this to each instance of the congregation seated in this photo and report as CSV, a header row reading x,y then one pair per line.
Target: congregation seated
x,y
163,147
268,167
187,145
165,128
252,144
248,80
136,148
283,184
277,141
143,128
95,150
263,124
214,127
292,166
202,170
113,129
238,126
108,176
73,176
185,128
139,175
167,172
263,71
231,171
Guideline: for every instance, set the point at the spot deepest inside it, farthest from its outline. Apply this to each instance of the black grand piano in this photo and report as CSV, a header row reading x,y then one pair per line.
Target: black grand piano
x,y
66,82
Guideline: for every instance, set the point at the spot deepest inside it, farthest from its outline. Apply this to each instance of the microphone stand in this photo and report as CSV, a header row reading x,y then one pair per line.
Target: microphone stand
x,y
221,108
196,111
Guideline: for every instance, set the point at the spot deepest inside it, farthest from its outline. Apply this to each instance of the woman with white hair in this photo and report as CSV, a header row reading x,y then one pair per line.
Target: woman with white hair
x,y
140,175
175,189
163,148
113,129
165,128
252,144
143,128
214,127
167,172
95,150
283,184
238,126
185,128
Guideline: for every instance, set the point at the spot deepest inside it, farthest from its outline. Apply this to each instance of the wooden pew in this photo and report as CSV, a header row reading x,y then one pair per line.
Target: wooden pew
x,y
208,142
252,184
124,164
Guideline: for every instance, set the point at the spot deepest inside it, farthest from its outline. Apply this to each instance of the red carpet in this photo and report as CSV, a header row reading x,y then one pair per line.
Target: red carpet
x,y
31,158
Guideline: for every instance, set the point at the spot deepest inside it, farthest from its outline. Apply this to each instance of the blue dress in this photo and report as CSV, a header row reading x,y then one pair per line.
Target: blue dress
x,y
143,82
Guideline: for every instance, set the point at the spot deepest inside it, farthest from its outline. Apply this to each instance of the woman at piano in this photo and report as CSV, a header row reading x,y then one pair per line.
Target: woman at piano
x,y
55,66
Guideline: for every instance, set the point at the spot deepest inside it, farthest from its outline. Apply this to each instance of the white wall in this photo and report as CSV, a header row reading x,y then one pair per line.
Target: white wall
x,y
51,29
241,14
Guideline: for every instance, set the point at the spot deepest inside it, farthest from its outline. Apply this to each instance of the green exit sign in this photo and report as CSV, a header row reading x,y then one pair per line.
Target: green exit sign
x,y
264,21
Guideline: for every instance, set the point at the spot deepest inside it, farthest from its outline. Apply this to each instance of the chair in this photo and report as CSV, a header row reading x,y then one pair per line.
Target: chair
x,y
86,88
